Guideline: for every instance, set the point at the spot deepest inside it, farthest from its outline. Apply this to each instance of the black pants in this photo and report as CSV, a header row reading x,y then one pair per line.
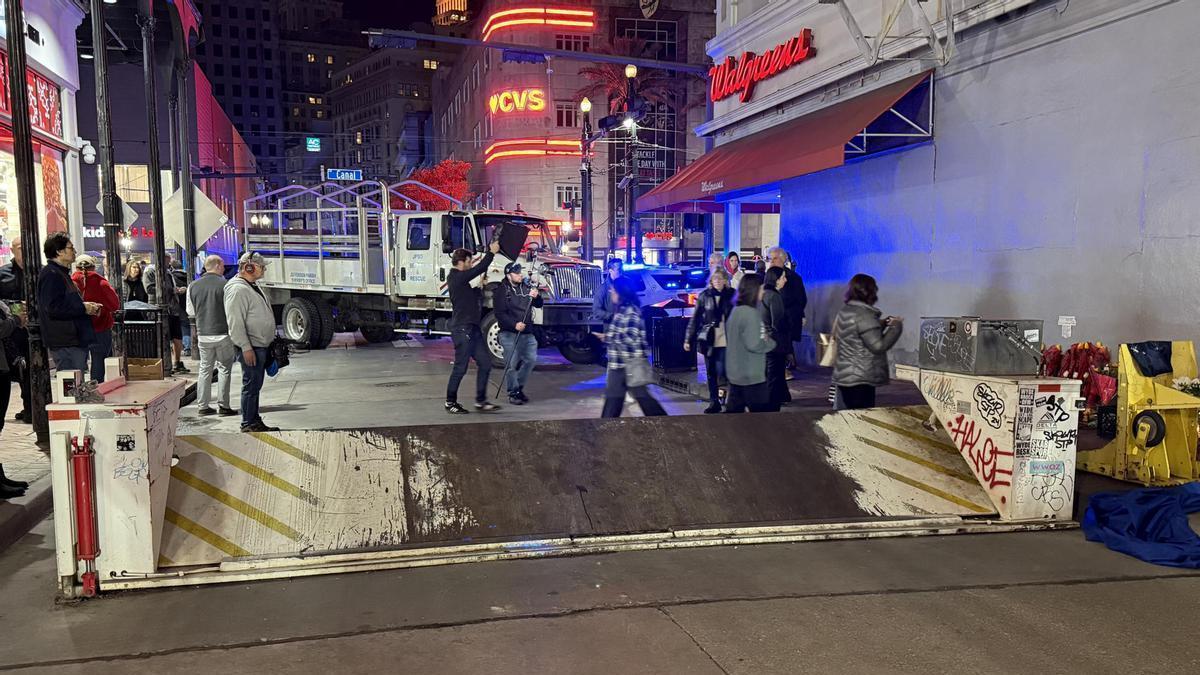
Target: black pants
x,y
5,392
469,344
777,380
20,340
714,369
857,397
756,397
614,396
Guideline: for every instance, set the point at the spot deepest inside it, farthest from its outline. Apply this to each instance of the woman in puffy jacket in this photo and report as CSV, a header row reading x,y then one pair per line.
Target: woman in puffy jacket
x,y
706,332
863,339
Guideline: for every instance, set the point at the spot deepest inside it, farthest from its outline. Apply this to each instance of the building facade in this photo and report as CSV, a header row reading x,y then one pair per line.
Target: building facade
x,y
1020,190
239,53
53,80
517,119
382,110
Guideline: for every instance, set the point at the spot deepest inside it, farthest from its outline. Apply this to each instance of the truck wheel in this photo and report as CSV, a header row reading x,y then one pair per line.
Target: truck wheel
x,y
378,334
583,353
491,337
301,322
326,323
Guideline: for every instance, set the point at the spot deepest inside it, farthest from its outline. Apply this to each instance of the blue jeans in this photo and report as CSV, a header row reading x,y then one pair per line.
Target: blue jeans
x,y
101,349
70,358
520,364
252,382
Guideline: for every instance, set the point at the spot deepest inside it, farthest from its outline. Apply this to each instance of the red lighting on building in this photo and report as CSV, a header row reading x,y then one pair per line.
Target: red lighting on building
x,y
738,76
540,16
530,147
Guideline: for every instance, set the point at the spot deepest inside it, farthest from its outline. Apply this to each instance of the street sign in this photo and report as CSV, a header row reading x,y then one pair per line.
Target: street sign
x,y
343,174
128,215
312,144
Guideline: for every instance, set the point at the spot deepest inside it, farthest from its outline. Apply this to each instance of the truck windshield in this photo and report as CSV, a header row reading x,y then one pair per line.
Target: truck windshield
x,y
517,233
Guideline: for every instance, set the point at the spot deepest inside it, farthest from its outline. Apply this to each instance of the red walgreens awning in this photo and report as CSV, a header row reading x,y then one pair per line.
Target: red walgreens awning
x,y
812,143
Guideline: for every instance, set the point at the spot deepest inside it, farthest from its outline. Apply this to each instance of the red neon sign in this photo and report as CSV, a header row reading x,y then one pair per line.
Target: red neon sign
x,y
539,16
530,147
738,76
517,100
45,104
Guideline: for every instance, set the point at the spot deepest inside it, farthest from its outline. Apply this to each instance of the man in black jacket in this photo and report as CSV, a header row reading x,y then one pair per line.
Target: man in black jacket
x,y
514,301
795,301
12,289
65,317
467,304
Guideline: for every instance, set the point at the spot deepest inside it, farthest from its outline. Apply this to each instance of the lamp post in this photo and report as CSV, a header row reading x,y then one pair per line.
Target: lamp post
x,y
633,235
585,181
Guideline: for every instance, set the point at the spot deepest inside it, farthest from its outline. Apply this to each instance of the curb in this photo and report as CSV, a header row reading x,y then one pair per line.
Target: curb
x,y
19,516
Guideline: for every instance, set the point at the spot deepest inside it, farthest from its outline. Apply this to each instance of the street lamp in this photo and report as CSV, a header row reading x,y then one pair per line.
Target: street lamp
x,y
633,240
585,182
631,71
585,106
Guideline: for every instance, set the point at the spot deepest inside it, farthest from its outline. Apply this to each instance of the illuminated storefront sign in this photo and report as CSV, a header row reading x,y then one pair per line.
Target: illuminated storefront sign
x,y
576,19
45,102
738,76
517,100
530,147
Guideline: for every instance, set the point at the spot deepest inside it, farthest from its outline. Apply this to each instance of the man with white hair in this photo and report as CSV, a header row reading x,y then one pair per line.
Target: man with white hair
x,y
795,300
206,302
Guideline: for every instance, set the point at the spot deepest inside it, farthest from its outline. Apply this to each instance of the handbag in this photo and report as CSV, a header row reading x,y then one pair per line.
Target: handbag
x,y
638,373
829,358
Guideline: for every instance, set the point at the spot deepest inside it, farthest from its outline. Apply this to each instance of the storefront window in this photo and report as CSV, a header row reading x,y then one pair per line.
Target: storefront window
x,y
48,182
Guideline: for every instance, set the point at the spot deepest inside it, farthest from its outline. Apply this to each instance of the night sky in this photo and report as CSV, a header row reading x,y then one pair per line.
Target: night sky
x,y
389,13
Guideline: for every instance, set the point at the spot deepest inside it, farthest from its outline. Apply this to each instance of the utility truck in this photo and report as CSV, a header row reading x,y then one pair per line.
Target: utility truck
x,y
367,257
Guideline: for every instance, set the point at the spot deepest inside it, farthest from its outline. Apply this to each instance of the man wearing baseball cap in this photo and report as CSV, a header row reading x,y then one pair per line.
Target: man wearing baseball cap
x,y
514,301
251,323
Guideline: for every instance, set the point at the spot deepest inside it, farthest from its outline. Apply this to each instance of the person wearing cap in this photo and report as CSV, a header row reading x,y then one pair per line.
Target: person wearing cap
x,y
251,324
513,302
95,288
466,303
206,302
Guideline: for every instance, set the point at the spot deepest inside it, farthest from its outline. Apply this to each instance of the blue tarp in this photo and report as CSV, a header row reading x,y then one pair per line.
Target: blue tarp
x,y
1150,524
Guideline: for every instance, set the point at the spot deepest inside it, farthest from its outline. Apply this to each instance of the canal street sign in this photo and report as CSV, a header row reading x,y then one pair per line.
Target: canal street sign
x,y
343,174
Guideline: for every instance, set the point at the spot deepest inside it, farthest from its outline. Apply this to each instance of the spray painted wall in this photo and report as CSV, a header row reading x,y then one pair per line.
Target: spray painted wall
x,y
1064,179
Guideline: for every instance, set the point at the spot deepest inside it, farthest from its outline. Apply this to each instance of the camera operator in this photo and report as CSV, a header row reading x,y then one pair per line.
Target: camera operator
x,y
513,301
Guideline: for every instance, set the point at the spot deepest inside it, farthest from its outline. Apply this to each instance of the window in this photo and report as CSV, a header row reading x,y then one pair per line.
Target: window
x,y
566,114
237,107
234,32
661,37
319,114
216,30
573,42
430,64
267,55
565,193
250,13
218,51
487,126
475,138
329,60
311,58
419,232
233,12
219,70
358,138
133,182
235,52
252,53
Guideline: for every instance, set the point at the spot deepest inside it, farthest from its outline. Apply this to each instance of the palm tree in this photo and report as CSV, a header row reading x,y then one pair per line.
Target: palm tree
x,y
608,81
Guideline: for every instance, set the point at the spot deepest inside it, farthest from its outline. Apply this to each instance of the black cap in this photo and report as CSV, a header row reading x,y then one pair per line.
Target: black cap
x,y
512,268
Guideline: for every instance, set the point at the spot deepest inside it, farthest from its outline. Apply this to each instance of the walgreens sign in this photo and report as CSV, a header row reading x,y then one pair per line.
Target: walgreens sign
x,y
738,76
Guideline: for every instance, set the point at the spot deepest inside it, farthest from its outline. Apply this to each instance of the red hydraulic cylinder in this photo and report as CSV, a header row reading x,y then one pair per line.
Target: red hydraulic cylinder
x,y
87,545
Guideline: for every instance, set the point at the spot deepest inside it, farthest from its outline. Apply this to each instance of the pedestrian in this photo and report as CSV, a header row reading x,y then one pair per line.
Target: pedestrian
x,y
795,303
628,367
180,277
602,305
513,302
12,291
134,288
168,298
775,319
863,340
95,288
9,323
66,318
706,332
745,355
251,324
733,266
716,261
467,306
206,302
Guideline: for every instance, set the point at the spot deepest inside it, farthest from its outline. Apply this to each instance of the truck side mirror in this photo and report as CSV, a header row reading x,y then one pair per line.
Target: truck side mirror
x,y
447,242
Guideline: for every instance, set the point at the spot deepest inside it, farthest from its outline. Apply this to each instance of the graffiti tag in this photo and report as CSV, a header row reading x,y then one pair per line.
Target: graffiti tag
x,y
984,459
991,406
1062,438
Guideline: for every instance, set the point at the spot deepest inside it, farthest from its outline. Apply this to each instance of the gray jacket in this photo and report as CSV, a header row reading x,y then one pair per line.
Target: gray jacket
x,y
746,347
8,324
862,346
250,317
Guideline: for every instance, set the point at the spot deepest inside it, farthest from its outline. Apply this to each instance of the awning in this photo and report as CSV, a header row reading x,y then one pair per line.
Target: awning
x,y
806,145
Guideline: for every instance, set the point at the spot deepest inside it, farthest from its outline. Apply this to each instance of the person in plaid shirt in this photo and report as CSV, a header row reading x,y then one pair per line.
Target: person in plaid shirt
x,y
626,339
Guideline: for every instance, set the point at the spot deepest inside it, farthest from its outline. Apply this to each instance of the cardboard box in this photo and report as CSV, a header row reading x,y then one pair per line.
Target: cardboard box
x,y
144,369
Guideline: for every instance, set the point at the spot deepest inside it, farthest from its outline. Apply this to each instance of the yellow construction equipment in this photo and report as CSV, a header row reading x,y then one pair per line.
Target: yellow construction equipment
x,y
1156,442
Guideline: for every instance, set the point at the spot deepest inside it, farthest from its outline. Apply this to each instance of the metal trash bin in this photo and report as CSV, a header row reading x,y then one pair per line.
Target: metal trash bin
x,y
666,345
140,330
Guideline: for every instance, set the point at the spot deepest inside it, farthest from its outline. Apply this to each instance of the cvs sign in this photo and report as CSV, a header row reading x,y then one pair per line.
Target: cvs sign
x,y
517,100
